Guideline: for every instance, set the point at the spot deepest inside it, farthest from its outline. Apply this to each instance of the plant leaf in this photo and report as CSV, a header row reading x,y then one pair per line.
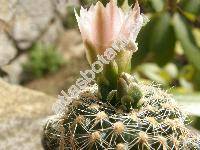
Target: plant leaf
x,y
162,41
153,72
185,36
143,42
158,5
192,6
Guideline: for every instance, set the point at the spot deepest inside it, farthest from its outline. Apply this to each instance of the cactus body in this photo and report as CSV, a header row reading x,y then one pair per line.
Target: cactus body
x,y
91,124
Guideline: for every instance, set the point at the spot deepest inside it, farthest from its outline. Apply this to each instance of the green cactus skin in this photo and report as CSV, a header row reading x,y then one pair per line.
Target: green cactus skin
x,y
152,122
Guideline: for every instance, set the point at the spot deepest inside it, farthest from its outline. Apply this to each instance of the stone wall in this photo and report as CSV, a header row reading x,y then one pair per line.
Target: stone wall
x,y
23,22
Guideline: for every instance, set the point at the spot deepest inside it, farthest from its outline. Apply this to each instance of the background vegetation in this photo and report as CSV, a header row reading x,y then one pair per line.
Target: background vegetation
x,y
42,59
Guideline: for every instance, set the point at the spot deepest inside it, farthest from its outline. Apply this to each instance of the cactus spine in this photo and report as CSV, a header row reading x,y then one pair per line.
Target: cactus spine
x,y
153,121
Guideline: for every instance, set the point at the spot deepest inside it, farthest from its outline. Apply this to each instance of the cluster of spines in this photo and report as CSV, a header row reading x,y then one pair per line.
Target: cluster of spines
x,y
91,124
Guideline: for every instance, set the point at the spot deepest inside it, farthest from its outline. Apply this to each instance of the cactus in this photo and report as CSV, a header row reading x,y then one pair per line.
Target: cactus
x,y
152,121
119,112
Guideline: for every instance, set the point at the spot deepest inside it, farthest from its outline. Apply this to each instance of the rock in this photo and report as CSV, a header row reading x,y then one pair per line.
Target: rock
x,y
61,7
25,22
6,9
7,49
14,70
53,32
30,19
74,2
22,114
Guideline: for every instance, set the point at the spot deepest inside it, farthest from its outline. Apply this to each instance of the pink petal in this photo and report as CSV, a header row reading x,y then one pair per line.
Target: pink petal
x,y
114,22
99,27
132,24
107,24
84,23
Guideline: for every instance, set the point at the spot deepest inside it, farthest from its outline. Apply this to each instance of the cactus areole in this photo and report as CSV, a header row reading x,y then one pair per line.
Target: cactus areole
x,y
119,113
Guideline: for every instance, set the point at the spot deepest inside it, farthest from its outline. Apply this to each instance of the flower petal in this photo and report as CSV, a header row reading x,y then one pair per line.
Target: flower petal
x,y
99,27
114,22
132,24
84,23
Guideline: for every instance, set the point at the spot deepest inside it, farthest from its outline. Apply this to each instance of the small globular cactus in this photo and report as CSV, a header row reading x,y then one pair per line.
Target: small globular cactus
x,y
153,121
118,113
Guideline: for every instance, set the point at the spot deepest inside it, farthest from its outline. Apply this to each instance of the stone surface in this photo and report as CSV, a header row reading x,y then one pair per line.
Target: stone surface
x,y
29,20
7,49
14,69
22,114
53,32
25,22
6,13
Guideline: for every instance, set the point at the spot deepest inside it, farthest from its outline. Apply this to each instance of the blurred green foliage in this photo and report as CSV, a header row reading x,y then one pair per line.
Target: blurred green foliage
x,y
196,122
42,59
172,23
70,21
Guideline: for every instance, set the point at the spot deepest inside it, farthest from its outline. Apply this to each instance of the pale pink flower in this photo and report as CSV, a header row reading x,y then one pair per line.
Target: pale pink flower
x,y
101,26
